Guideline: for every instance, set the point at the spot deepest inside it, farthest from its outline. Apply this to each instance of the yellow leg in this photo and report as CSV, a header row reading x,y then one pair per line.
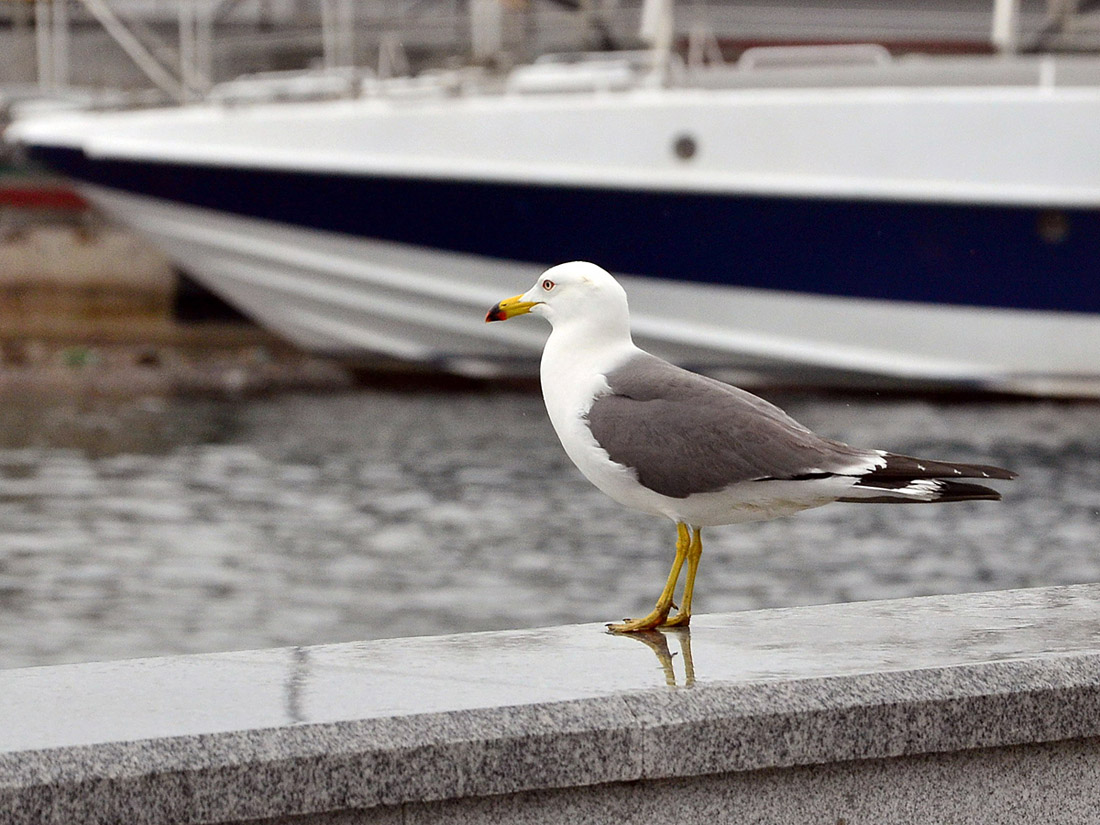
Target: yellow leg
x,y
695,551
664,603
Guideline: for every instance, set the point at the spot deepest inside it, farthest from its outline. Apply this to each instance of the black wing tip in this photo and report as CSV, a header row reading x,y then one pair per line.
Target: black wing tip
x,y
907,466
958,491
946,491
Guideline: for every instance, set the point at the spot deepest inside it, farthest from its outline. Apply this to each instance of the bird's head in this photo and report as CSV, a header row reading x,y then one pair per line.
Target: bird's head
x,y
574,291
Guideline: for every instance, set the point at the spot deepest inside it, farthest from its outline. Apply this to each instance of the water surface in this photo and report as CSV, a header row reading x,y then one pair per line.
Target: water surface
x,y
159,526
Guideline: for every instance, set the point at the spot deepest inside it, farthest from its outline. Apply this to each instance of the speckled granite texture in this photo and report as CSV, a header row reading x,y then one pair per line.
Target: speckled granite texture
x,y
844,701
1052,783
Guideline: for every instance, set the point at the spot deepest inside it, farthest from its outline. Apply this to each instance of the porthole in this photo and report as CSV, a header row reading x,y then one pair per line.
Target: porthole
x,y
685,147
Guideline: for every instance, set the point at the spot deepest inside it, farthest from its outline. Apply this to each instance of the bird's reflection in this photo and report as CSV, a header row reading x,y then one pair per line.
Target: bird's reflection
x,y
657,641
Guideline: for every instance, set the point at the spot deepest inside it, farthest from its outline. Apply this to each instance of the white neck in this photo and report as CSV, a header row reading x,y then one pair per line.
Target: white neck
x,y
586,353
576,345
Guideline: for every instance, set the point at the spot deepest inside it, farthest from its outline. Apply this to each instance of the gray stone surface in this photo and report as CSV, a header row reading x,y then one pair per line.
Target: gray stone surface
x,y
398,723
1054,783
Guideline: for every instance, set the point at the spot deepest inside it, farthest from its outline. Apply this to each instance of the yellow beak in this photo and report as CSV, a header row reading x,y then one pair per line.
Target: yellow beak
x,y
509,308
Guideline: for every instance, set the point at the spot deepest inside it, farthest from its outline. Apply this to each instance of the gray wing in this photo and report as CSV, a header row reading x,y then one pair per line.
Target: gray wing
x,y
684,433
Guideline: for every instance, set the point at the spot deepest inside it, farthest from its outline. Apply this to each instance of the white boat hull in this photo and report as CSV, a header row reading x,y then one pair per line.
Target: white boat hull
x,y
912,222
352,297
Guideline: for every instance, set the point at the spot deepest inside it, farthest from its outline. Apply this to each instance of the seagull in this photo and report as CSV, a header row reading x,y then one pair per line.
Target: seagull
x,y
670,442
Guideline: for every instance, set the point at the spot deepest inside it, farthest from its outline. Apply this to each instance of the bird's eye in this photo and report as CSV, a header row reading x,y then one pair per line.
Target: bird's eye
x,y
547,284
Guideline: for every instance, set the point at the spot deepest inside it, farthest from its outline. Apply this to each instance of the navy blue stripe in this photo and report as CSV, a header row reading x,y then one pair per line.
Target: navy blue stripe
x,y
941,253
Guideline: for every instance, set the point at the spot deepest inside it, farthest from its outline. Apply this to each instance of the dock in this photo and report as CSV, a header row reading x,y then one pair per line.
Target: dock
x,y
978,707
89,307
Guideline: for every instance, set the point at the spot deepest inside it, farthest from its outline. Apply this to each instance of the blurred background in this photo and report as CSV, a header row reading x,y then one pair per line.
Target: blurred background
x,y
219,428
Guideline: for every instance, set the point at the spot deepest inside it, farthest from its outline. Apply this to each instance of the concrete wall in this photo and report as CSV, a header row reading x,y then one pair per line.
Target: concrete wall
x,y
1052,783
982,707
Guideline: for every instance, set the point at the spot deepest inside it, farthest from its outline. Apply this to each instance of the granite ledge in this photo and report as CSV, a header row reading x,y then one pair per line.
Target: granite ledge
x,y
264,734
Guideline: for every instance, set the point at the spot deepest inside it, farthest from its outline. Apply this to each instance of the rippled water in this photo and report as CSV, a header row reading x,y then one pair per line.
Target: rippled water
x,y
155,527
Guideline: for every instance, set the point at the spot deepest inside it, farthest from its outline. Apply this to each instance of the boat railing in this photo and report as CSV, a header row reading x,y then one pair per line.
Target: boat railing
x,y
352,50
911,71
621,73
187,48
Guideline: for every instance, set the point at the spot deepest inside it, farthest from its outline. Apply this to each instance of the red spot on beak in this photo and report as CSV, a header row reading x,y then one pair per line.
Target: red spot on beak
x,y
495,314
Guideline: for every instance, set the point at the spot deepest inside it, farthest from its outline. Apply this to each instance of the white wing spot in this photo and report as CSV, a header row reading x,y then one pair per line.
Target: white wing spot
x,y
924,487
958,472
920,467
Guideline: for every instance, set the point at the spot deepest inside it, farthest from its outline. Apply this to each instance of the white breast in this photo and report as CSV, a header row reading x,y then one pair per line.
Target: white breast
x,y
572,378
